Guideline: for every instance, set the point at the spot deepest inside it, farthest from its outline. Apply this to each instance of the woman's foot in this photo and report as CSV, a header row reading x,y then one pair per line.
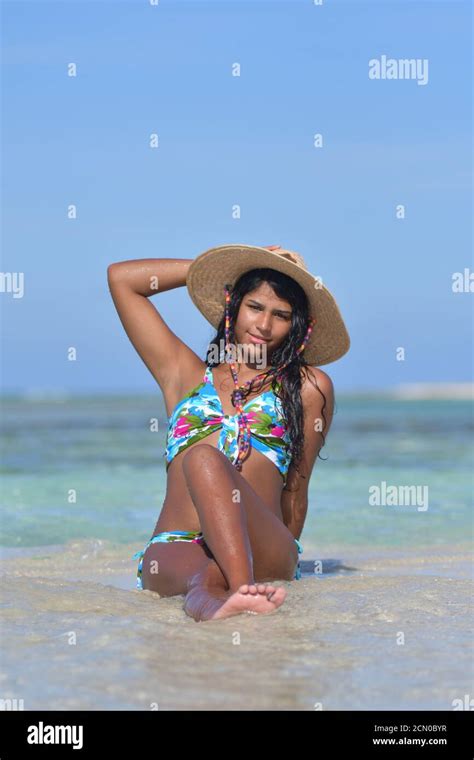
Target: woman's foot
x,y
257,599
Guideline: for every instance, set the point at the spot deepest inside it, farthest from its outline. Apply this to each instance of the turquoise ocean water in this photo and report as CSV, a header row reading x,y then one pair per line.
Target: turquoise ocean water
x,y
384,569
93,467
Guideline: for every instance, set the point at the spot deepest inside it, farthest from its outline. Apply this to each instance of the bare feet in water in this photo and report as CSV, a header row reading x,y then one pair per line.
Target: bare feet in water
x,y
256,599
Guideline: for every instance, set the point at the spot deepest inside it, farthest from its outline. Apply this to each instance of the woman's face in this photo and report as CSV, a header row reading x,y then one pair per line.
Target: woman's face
x,y
263,315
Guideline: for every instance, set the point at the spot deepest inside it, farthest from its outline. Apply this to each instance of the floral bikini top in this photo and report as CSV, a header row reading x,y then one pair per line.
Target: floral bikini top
x,y
200,413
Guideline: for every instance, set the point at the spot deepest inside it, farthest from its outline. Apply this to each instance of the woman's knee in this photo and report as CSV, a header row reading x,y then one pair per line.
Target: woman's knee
x,y
196,457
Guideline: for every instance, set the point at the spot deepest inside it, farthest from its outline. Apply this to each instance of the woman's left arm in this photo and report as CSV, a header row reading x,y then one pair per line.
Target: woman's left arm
x,y
294,505
294,497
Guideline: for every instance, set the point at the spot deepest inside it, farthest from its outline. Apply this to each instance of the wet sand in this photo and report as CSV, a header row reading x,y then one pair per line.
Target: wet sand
x,y
377,629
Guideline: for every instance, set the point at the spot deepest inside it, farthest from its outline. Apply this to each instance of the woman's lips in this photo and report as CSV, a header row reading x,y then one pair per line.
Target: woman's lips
x,y
257,340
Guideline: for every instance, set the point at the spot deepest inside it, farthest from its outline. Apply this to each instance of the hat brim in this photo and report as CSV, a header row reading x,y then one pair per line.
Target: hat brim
x,y
211,270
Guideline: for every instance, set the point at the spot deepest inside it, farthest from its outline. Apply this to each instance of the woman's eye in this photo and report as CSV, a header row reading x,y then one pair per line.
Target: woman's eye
x,y
257,308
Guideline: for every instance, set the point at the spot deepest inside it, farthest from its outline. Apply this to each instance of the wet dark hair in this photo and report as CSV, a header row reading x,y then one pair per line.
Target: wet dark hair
x,y
291,375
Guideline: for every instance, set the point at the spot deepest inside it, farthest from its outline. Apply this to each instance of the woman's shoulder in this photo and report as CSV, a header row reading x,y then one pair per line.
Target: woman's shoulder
x,y
313,382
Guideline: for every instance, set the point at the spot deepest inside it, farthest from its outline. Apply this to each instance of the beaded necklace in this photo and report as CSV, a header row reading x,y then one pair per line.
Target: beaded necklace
x,y
243,438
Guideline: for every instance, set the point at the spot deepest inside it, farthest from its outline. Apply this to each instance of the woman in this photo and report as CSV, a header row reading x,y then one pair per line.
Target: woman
x,y
245,427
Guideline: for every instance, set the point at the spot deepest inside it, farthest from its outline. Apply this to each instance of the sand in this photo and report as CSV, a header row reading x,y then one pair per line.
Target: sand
x,y
378,629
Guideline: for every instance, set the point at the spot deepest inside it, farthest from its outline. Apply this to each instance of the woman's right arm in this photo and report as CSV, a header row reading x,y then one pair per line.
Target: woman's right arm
x,y
131,283
147,277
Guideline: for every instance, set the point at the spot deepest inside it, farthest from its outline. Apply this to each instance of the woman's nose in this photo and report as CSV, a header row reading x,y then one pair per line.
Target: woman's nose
x,y
264,323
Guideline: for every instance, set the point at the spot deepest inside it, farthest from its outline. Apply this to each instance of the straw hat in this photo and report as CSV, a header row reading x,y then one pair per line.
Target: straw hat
x,y
211,270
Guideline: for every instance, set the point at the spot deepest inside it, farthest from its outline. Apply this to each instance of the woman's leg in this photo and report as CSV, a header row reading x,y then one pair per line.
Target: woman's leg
x,y
248,542
182,567
168,567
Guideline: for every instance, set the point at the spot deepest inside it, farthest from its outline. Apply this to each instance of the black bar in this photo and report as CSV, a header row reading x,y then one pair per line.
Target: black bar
x,y
374,733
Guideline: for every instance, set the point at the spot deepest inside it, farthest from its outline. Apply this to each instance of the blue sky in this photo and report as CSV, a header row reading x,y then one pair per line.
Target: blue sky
x,y
226,140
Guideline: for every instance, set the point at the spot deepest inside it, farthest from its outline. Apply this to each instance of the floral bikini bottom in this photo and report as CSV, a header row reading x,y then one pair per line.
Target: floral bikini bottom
x,y
195,537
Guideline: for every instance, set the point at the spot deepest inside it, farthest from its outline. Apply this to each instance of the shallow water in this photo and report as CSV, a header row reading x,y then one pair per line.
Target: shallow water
x,y
94,468
386,625
76,634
